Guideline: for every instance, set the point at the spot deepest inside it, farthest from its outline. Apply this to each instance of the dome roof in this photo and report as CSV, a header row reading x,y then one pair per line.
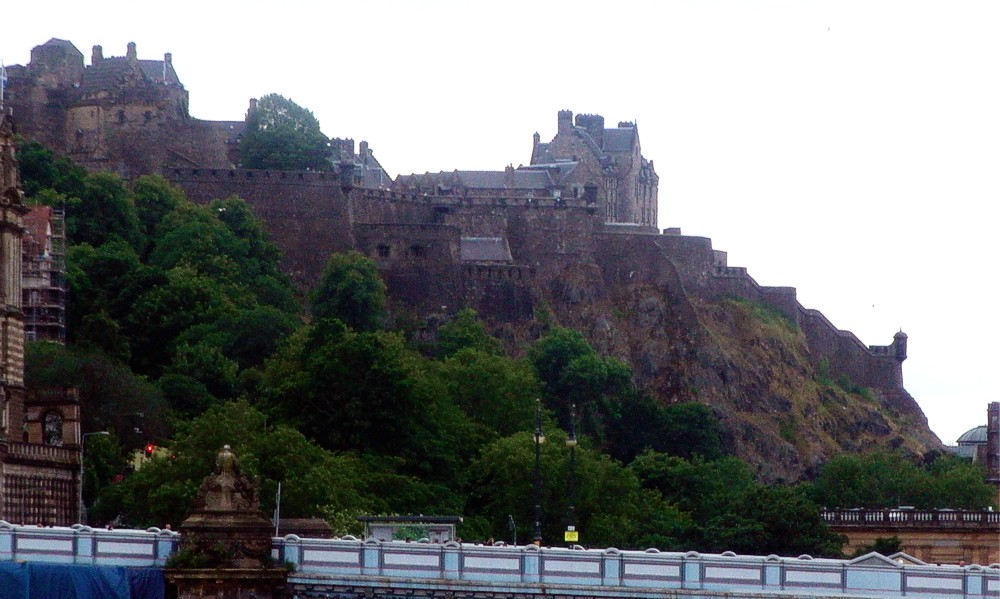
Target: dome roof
x,y
973,436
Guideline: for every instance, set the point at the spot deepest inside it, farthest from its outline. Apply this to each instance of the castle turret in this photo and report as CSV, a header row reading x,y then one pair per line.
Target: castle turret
x,y
130,54
899,345
565,121
168,58
96,56
594,124
535,140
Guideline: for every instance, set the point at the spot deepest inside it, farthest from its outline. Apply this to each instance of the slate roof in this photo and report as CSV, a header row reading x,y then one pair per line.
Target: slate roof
x,y
65,44
485,249
115,71
522,179
154,70
106,75
620,140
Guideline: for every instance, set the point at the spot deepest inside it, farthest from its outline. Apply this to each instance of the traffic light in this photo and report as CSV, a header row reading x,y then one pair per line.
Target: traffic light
x,y
149,450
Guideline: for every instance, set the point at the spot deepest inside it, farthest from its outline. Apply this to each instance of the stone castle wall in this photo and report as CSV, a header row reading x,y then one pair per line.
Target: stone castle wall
x,y
415,240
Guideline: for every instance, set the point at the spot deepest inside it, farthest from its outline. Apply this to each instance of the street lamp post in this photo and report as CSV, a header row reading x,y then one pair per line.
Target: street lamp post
x,y
79,487
539,439
571,534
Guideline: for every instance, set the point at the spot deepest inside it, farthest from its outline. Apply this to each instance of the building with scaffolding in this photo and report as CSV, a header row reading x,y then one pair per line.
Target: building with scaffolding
x,y
43,274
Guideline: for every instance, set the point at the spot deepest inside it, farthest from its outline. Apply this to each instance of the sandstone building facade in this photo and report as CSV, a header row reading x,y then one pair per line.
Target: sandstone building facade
x,y
40,429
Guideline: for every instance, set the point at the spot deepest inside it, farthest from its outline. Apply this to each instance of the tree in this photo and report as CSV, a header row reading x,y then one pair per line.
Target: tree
x,y
154,198
42,170
314,481
282,135
352,291
881,479
104,213
466,331
612,510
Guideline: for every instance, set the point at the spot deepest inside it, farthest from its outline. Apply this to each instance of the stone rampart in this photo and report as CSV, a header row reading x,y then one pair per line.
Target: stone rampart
x,y
312,214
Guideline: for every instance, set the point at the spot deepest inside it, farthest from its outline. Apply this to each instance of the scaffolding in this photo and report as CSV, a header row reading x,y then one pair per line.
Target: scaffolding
x,y
44,284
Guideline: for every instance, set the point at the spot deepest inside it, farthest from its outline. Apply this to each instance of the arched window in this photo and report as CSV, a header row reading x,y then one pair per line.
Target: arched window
x,y
52,431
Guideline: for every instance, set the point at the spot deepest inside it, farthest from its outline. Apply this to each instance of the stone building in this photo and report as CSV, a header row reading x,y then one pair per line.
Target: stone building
x,y
609,165
44,274
130,116
603,167
39,429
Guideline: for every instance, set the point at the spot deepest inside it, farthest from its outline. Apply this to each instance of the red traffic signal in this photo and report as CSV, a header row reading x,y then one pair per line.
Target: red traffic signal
x,y
149,450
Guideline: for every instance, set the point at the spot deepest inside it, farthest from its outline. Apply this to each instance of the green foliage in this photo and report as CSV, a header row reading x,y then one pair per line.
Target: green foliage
x,y
732,512
497,392
883,545
282,135
571,372
611,507
466,331
365,391
112,398
314,481
352,291
685,430
879,480
154,198
41,170
105,212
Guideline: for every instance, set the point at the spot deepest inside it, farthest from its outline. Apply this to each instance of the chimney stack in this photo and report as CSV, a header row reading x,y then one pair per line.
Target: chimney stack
x,y
131,55
96,56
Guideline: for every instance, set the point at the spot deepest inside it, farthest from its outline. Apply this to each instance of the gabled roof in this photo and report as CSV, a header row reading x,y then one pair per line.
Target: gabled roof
x,y
64,44
620,140
154,70
109,74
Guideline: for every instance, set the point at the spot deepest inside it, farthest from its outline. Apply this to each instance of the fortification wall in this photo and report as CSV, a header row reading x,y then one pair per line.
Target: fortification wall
x,y
876,367
307,214
419,263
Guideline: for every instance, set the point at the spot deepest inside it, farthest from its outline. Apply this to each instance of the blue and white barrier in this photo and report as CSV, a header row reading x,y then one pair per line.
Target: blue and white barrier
x,y
507,569
79,544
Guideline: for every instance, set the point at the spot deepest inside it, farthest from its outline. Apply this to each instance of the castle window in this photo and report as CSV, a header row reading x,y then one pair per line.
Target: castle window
x,y
52,431
418,251
383,251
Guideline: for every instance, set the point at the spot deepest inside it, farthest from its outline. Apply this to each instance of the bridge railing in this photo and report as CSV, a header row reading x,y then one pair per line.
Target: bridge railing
x,y
529,567
80,544
862,518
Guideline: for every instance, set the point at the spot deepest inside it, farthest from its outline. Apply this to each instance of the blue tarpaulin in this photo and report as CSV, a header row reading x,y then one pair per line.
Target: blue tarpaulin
x,y
57,581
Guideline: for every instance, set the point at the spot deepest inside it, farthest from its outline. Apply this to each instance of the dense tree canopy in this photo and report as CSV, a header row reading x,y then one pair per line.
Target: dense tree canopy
x,y
282,135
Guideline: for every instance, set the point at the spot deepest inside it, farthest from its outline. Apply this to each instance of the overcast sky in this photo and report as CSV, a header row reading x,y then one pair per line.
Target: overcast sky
x,y
848,149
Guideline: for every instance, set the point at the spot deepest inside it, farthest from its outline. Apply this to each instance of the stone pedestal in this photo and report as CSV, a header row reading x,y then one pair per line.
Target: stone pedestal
x,y
226,542
228,583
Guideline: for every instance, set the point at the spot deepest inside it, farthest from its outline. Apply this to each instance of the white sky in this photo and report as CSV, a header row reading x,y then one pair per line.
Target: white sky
x,y
848,149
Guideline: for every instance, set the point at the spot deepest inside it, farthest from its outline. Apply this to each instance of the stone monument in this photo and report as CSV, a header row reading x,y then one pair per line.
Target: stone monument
x,y
226,542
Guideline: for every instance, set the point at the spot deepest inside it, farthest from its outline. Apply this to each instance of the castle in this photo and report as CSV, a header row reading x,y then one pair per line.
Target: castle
x,y
573,233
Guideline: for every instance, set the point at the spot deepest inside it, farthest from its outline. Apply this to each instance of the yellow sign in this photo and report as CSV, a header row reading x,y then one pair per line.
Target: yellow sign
x,y
572,536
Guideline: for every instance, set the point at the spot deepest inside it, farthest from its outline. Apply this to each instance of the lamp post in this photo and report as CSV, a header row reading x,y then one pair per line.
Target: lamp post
x,y
539,439
571,534
79,486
